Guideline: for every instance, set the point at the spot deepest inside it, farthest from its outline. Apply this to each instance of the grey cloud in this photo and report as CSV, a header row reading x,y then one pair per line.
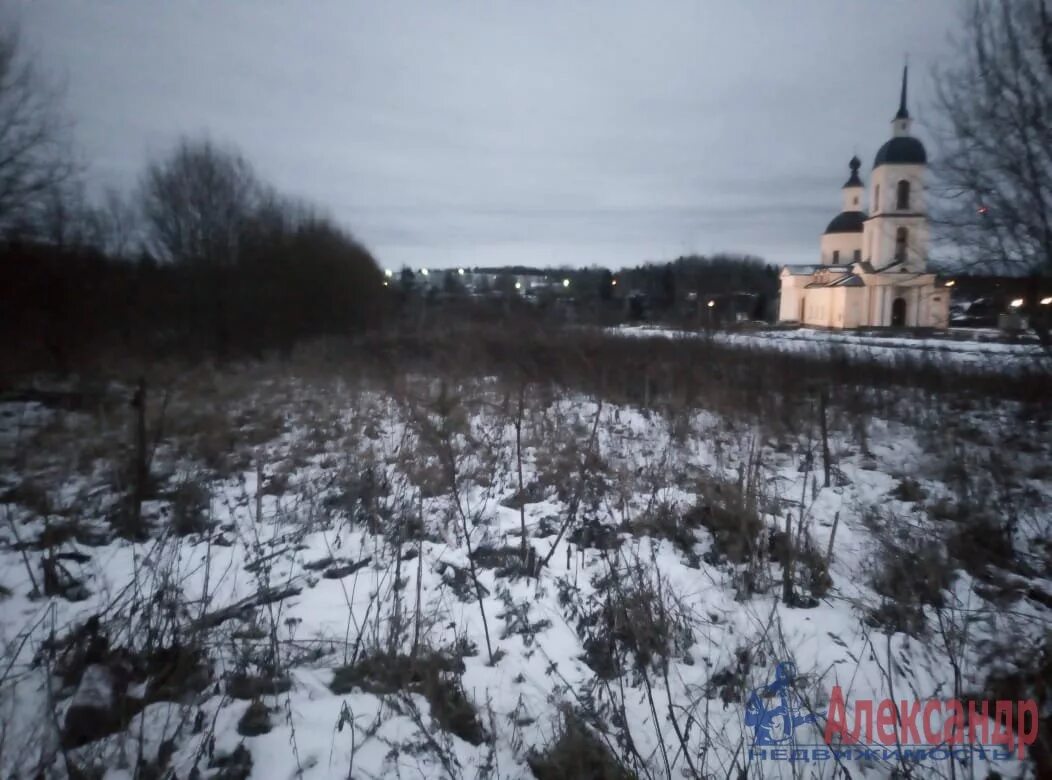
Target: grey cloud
x,y
541,132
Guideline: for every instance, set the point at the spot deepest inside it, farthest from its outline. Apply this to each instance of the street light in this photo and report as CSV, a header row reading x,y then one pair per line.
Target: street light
x,y
566,282
388,273
613,282
460,271
1046,301
518,285
711,304
423,271
1016,303
951,283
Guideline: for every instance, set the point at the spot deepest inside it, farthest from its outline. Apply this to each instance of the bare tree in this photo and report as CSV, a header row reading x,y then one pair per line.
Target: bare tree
x,y
35,150
62,216
115,224
197,202
996,109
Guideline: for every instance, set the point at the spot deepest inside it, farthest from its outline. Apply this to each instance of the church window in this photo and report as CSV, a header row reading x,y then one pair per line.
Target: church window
x,y
903,195
836,257
901,236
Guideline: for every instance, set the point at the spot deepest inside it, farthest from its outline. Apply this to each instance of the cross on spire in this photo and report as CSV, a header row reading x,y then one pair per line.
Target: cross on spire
x,y
903,113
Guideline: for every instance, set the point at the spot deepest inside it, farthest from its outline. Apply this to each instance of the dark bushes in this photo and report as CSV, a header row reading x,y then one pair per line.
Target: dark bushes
x,y
576,752
64,308
637,618
909,571
432,675
255,721
730,513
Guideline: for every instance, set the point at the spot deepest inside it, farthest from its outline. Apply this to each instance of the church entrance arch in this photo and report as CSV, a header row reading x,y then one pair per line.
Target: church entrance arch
x,y
898,313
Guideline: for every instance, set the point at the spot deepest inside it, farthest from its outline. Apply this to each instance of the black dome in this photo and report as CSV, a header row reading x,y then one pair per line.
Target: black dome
x,y
904,149
847,222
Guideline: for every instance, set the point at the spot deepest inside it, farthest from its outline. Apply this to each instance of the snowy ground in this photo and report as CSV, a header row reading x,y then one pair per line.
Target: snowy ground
x,y
970,347
348,504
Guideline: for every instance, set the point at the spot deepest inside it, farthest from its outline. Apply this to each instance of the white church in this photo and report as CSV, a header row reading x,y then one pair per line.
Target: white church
x,y
873,267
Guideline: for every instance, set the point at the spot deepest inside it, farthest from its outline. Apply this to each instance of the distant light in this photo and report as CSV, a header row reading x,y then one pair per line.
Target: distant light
x,y
1016,303
460,271
388,273
566,282
423,271
983,210
951,283
518,285
1046,301
385,283
613,282
711,304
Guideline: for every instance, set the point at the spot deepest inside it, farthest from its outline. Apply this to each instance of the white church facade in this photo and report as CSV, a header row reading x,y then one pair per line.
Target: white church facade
x,y
873,266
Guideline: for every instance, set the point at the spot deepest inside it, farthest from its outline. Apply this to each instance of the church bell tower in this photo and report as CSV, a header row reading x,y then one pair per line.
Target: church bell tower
x,y
896,234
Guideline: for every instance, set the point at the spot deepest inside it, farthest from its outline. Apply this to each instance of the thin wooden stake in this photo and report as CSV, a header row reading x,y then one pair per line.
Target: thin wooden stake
x,y
832,538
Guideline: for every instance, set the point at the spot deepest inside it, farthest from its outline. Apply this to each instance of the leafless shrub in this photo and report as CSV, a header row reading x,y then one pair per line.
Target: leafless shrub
x,y
577,752
663,520
190,507
730,511
909,490
433,675
255,721
810,566
909,570
978,542
638,619
1027,675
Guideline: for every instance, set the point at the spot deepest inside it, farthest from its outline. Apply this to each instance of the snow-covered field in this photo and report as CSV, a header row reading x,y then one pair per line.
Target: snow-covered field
x,y
309,542
988,354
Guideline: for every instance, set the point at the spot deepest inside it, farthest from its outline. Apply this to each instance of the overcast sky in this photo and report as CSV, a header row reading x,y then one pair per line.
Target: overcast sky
x,y
488,133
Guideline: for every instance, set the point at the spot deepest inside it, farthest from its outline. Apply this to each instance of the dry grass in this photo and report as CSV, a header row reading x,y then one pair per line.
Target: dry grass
x,y
576,752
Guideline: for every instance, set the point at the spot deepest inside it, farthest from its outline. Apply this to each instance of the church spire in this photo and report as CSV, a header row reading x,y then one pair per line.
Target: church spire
x,y
903,113
854,180
901,123
853,188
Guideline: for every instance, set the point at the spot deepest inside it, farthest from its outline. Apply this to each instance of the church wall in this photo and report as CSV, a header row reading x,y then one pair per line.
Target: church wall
x,y
927,306
838,303
879,313
886,179
884,302
820,311
934,306
846,243
866,307
939,311
854,306
879,241
812,307
789,303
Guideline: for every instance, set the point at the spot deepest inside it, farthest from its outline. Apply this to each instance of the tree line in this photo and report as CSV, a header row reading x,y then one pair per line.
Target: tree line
x,y
202,256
